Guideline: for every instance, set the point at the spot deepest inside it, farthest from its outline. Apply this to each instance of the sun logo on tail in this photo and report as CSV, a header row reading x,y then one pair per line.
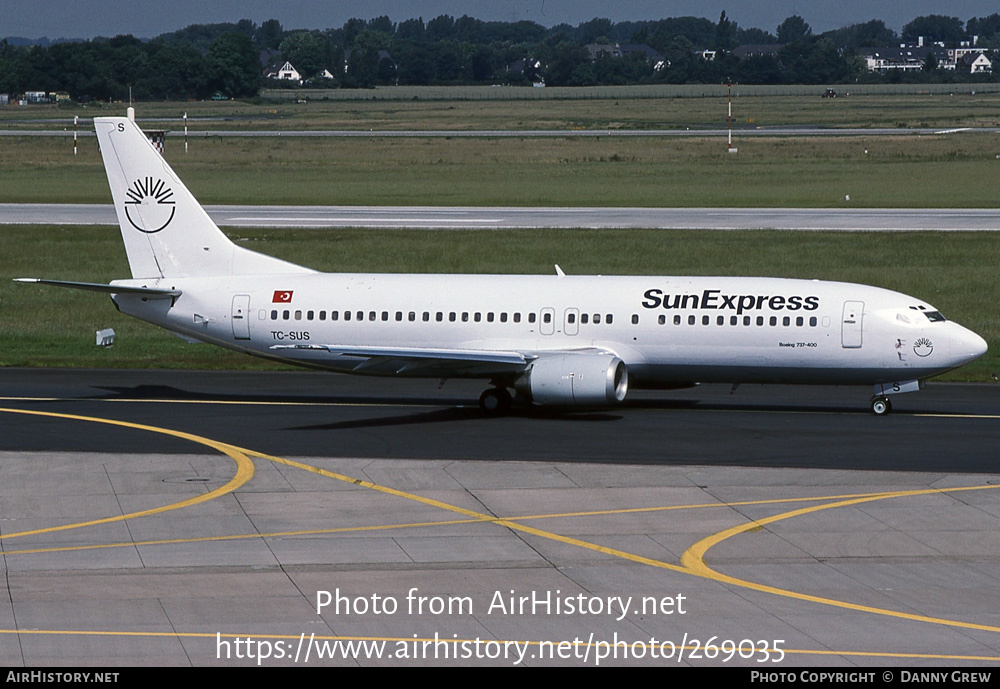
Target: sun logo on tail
x,y
149,205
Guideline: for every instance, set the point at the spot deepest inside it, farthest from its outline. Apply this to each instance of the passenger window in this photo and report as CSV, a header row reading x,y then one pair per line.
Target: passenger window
x,y
503,317
465,316
284,315
399,315
705,320
799,321
451,316
773,320
274,315
734,320
309,315
489,317
812,321
677,319
635,319
597,319
385,315
427,316
359,316
477,317
439,316
412,316
322,315
334,315
760,320
570,318
746,320
531,317
721,320
517,317
371,315
691,320
786,320
298,315
661,319
547,317
347,315
608,319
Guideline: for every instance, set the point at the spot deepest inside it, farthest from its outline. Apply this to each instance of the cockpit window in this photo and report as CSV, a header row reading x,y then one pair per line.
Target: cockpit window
x,y
934,316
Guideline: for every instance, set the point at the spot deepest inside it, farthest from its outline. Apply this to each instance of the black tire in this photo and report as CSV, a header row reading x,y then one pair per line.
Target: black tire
x,y
881,406
495,401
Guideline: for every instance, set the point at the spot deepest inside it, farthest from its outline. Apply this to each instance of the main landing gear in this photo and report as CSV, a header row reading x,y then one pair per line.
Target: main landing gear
x,y
495,401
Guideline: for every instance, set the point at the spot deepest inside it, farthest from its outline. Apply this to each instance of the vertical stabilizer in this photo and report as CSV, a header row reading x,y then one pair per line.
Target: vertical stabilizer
x,y
166,231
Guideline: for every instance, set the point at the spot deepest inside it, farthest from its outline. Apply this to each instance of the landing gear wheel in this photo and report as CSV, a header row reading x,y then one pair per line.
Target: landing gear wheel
x,y
881,406
495,401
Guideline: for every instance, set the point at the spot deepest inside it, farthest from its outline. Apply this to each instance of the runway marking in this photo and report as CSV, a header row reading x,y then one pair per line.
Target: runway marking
x,y
354,222
694,558
239,537
414,525
244,471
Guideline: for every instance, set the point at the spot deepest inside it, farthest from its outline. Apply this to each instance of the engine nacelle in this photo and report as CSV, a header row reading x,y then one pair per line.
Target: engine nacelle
x,y
575,379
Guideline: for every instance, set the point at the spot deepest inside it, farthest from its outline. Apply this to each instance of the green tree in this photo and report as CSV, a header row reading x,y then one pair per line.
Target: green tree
x,y
269,34
233,68
725,33
934,27
793,29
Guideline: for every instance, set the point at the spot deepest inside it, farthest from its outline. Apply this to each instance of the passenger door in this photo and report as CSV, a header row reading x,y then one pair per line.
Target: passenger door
x,y
852,324
241,317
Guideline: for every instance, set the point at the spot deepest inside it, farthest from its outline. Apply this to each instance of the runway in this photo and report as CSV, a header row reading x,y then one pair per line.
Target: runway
x,y
181,515
487,218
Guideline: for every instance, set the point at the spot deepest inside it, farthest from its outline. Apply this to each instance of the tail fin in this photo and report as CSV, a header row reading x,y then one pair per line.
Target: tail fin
x,y
166,231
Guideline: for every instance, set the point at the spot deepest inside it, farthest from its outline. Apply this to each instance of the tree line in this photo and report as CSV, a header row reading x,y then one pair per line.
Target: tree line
x,y
206,59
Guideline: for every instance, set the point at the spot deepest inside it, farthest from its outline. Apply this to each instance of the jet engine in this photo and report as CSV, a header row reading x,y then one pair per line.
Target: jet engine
x,y
575,379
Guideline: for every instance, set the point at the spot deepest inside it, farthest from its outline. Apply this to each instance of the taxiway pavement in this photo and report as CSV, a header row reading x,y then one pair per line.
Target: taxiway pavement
x,y
499,218
167,517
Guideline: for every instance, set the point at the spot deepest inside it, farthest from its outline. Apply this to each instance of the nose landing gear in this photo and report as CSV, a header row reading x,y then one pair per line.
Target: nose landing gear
x,y
881,405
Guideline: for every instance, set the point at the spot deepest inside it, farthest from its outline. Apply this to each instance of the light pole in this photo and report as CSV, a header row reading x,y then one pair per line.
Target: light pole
x,y
729,119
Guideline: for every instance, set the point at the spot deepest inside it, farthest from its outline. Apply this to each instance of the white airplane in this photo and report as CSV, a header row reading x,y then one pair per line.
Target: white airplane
x,y
557,340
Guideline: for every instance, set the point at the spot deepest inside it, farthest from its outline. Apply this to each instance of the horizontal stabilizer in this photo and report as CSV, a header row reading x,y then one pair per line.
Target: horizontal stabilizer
x,y
150,292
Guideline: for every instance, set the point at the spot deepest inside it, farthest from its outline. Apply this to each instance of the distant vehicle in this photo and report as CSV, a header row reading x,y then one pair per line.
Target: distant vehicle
x,y
829,93
219,96
556,339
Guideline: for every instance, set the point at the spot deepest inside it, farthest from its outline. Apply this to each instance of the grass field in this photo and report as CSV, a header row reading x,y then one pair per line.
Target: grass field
x,y
52,327
954,170
966,105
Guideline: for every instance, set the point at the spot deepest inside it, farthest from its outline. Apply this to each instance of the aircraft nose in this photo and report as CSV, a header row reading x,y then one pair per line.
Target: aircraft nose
x,y
967,345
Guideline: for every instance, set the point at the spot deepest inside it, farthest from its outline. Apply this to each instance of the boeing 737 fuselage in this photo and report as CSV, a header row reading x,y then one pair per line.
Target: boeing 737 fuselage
x,y
557,340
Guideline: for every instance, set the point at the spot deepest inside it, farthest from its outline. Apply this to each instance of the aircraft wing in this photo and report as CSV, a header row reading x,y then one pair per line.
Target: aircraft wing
x,y
424,361
149,292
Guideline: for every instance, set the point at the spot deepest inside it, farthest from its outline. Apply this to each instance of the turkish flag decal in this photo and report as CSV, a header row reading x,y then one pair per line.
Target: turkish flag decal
x,y
282,297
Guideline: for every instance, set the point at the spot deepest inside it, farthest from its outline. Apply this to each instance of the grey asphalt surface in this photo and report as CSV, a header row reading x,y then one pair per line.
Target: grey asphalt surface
x,y
487,218
776,517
